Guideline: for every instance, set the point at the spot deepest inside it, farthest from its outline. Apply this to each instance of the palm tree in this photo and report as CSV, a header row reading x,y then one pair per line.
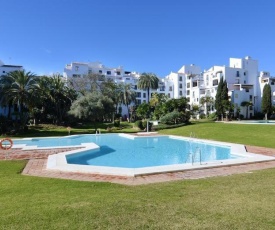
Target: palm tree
x,y
60,95
148,81
246,104
127,96
158,98
207,101
19,87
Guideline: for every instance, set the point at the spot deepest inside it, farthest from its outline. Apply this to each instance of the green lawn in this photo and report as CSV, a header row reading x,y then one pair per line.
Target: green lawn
x,y
258,135
243,201
45,130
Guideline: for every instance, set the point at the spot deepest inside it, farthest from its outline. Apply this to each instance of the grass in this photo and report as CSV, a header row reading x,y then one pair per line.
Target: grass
x,y
235,202
257,135
45,130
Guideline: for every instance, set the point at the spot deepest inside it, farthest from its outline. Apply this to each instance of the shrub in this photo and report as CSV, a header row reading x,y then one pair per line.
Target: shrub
x,y
202,116
163,126
3,124
116,123
174,117
259,116
144,125
212,116
139,124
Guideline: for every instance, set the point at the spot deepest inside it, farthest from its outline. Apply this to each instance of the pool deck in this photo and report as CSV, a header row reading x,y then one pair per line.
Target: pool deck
x,y
37,161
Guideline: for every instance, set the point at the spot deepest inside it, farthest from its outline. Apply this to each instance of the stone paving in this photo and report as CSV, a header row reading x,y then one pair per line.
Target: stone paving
x,y
37,160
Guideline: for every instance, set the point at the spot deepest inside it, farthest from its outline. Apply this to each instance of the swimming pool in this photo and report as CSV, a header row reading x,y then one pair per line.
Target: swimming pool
x,y
264,122
120,151
123,154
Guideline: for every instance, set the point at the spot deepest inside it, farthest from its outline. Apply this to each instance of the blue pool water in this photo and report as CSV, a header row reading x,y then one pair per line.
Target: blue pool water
x,y
118,151
270,122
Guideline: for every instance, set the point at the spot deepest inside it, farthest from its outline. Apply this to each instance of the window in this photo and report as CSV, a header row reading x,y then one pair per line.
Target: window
x,y
244,81
168,95
188,92
76,68
215,82
118,72
244,73
100,71
144,95
109,72
138,94
247,90
237,74
180,93
180,86
188,85
170,88
76,75
138,101
195,84
4,71
250,97
180,79
135,87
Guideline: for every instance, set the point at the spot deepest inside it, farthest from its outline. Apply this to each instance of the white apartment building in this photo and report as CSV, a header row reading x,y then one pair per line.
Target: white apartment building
x,y
119,75
4,69
244,81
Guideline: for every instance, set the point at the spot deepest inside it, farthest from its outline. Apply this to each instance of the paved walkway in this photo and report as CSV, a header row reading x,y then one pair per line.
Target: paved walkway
x,y
37,160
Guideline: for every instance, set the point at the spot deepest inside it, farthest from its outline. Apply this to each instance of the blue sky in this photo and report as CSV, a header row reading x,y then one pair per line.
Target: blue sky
x,y
156,36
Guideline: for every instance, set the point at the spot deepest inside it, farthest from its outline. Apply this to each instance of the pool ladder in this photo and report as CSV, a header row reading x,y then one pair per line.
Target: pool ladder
x,y
98,132
193,156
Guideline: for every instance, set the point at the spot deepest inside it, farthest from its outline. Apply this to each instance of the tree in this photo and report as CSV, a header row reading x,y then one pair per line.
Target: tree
x,y
246,104
157,102
221,100
157,98
92,106
266,100
19,87
194,110
174,117
148,81
128,96
207,101
143,110
60,95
